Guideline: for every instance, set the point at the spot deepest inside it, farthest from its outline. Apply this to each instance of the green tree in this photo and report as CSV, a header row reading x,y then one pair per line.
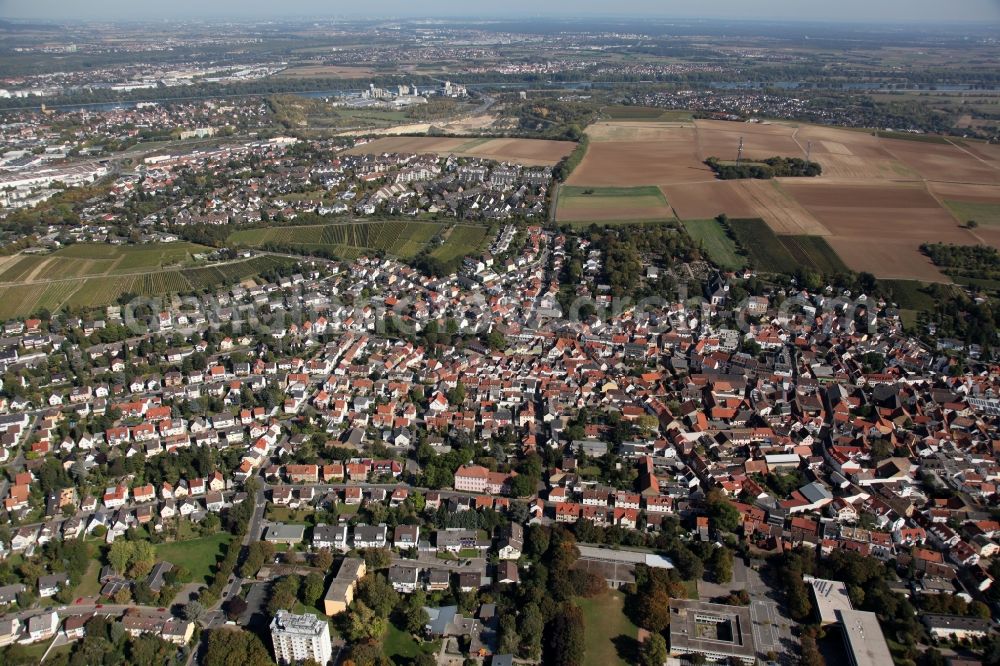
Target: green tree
x,y
120,555
721,512
565,643
312,589
363,624
653,651
235,647
192,610
376,593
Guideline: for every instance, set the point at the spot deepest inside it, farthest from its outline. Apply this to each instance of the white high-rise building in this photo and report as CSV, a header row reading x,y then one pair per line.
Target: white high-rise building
x,y
300,637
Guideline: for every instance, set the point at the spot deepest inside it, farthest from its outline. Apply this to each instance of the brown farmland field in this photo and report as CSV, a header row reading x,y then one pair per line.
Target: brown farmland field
x,y
776,206
699,201
879,227
943,162
529,152
720,138
332,71
629,163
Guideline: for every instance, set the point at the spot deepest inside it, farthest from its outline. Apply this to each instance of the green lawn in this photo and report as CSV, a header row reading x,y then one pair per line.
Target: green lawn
x,y
347,509
982,212
90,584
599,204
283,514
398,644
611,638
713,238
196,555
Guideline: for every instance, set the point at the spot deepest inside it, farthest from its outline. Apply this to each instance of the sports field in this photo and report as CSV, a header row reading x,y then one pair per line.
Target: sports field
x,y
611,638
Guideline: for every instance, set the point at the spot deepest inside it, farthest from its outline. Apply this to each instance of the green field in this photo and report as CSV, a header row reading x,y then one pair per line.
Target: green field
x,y
90,259
908,294
908,136
401,647
981,212
90,584
784,254
345,239
646,113
596,205
715,240
461,242
764,248
96,274
814,251
608,632
197,555
100,291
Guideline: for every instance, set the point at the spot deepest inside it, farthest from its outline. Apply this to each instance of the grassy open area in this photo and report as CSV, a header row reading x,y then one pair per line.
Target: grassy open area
x,y
196,555
909,294
981,212
611,204
648,113
398,644
344,239
611,638
283,514
716,241
90,584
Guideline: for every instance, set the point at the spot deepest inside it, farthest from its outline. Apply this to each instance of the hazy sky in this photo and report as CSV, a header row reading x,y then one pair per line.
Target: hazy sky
x,y
842,10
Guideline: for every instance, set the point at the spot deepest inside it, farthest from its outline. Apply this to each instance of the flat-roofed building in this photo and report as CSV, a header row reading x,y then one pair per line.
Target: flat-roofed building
x,y
865,643
945,626
297,638
287,534
617,566
340,594
830,596
716,631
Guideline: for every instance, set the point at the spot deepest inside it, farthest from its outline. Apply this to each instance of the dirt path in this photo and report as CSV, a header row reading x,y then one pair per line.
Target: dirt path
x,y
36,270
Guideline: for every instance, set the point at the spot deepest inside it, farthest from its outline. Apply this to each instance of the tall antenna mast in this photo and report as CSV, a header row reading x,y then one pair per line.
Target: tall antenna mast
x,y
809,148
739,153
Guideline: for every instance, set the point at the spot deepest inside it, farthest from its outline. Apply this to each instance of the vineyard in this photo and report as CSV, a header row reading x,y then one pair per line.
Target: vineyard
x,y
461,241
346,240
83,260
210,277
20,300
